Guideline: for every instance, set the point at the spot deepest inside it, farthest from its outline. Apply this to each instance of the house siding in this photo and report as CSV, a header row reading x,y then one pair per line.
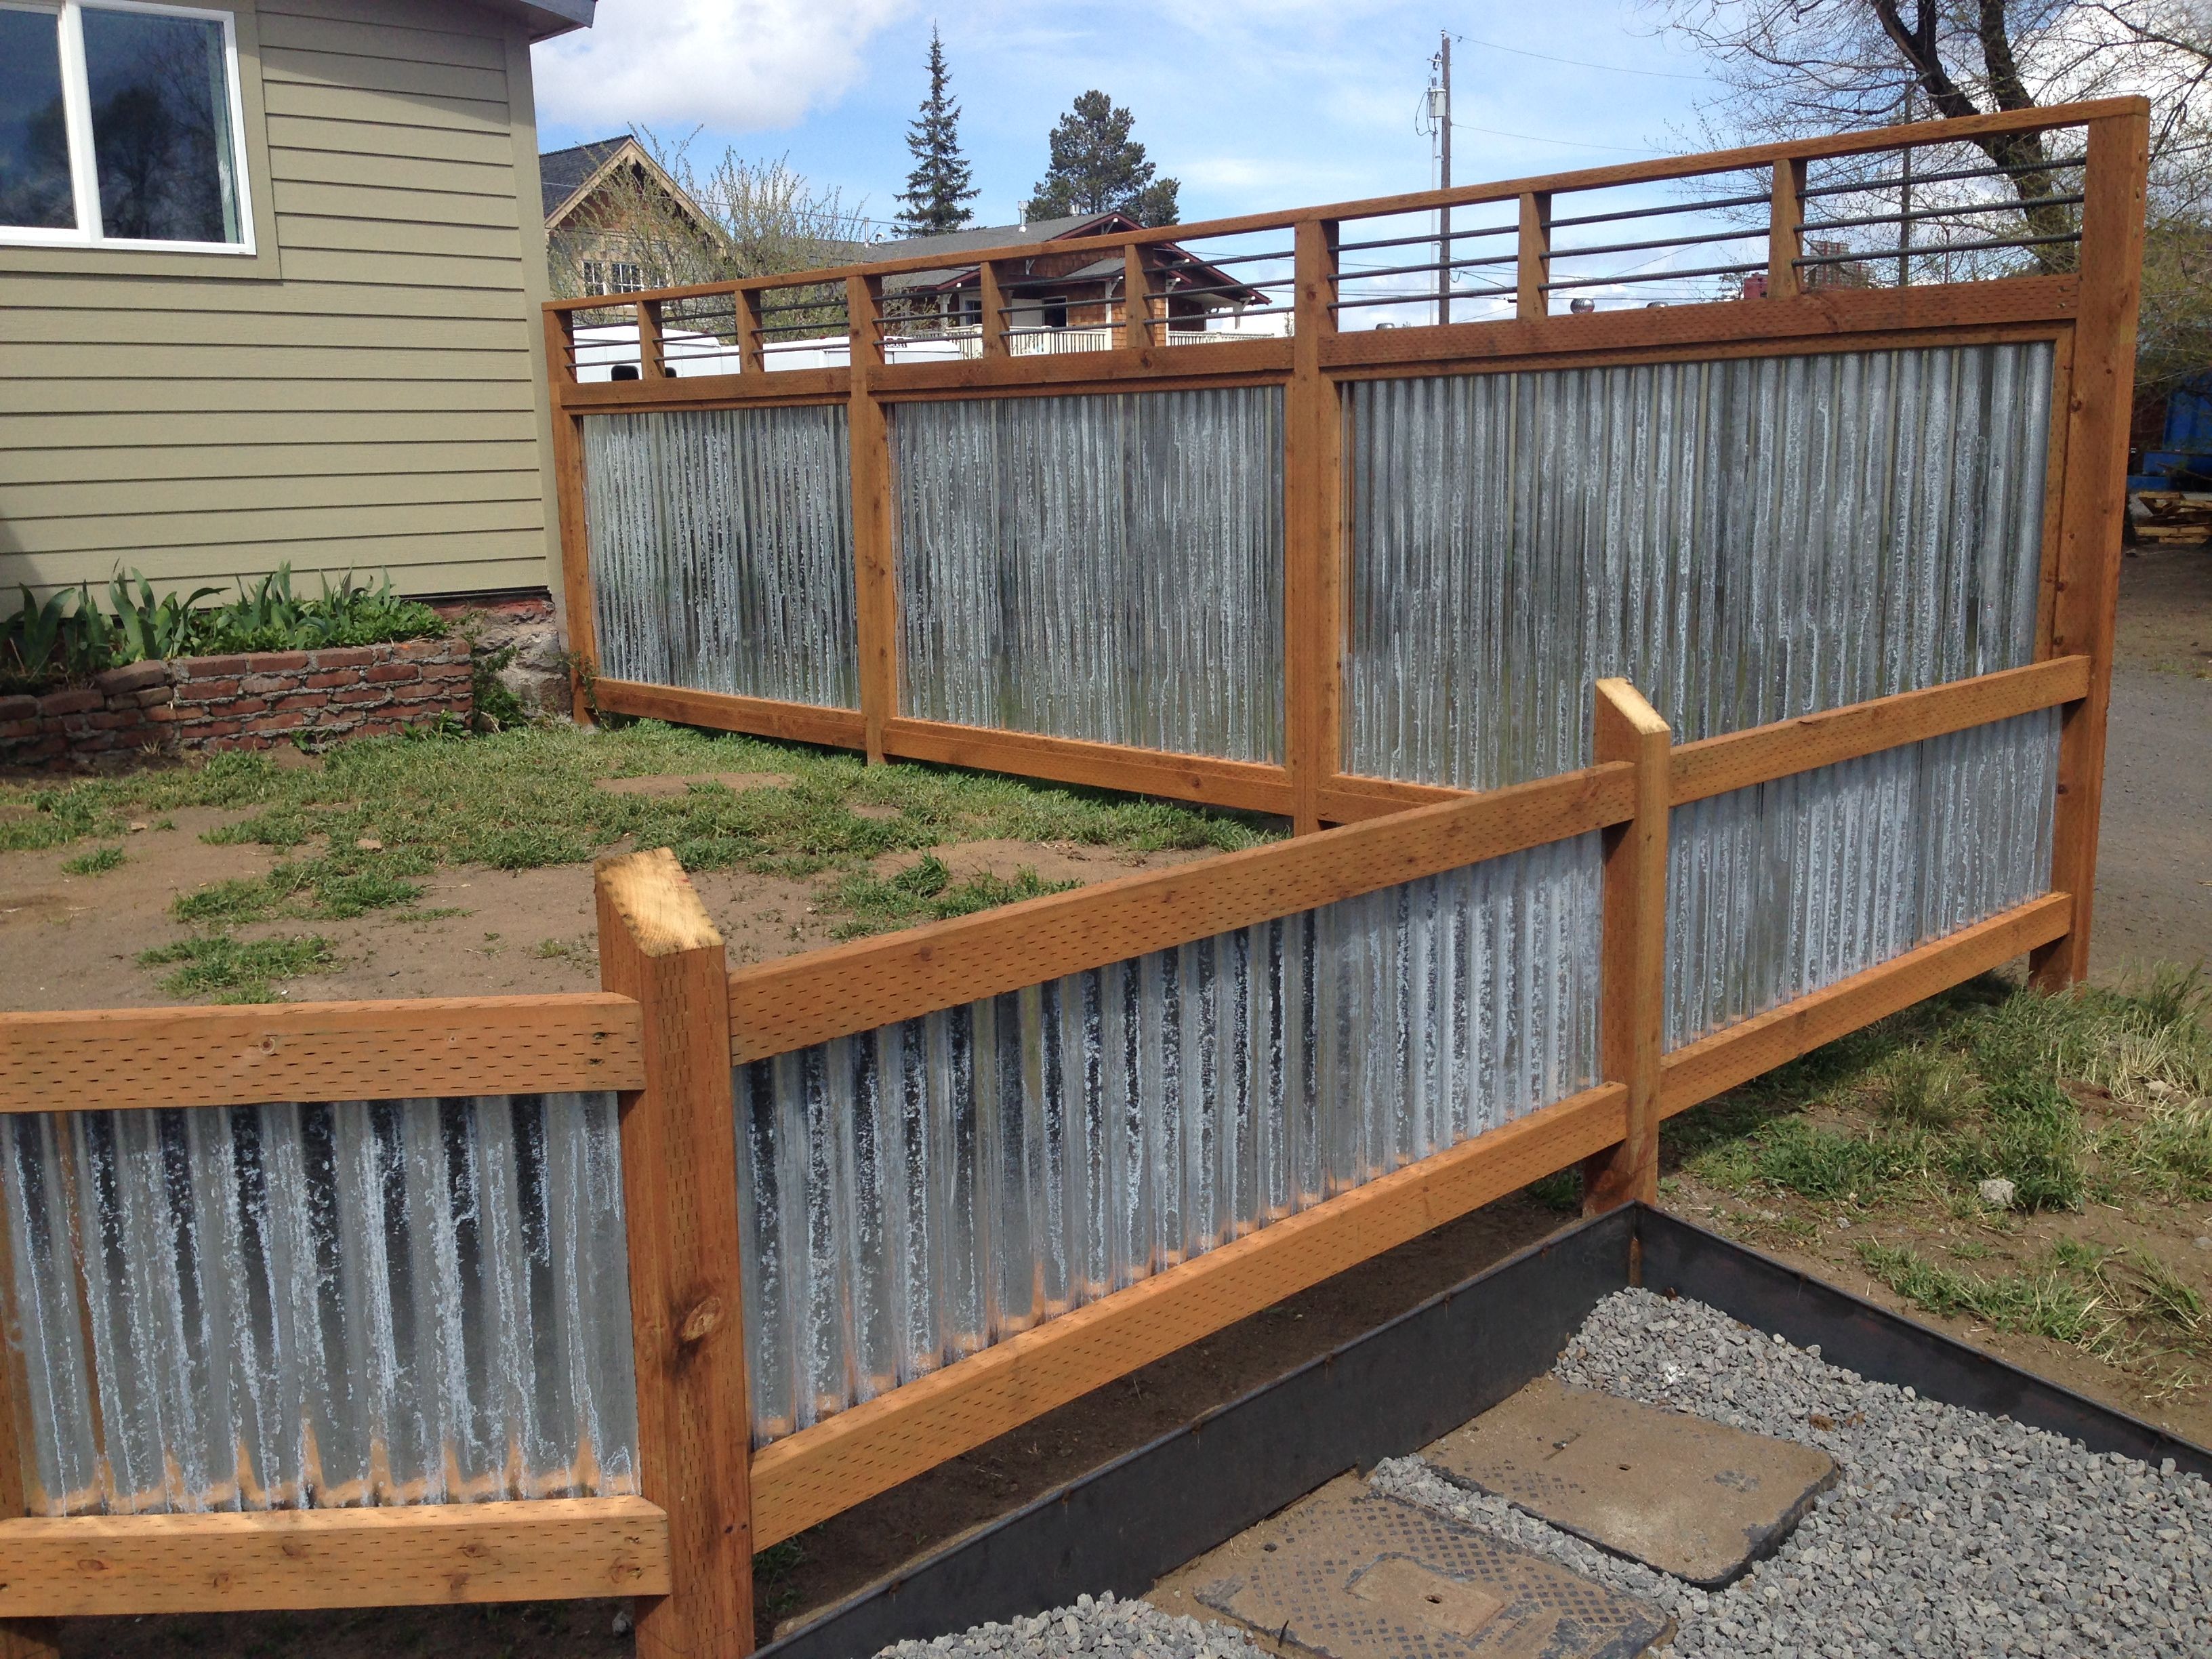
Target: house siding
x,y
372,401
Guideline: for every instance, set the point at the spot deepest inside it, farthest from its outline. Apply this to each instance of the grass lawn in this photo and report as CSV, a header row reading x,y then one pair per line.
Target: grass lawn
x,y
357,830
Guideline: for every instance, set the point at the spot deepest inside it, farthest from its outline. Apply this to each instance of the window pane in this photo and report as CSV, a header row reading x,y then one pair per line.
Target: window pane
x,y
34,172
161,126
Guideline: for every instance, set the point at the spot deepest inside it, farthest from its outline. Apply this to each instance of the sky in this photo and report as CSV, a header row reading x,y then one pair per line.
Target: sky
x,y
1252,107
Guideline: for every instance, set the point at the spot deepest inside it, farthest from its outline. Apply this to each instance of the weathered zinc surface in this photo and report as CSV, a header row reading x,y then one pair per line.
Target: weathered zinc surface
x,y
318,1305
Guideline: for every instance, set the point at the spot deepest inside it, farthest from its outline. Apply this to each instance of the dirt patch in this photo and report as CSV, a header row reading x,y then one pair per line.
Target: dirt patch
x,y
2166,610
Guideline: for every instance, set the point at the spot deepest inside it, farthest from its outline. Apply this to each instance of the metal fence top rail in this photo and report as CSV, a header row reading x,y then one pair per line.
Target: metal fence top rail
x,y
1964,128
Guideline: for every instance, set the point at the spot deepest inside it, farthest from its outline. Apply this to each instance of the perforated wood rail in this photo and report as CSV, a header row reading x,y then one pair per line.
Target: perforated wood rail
x,y
775,1007
131,1057
353,1557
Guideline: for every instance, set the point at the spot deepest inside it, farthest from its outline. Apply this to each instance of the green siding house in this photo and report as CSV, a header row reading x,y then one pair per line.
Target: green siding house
x,y
269,272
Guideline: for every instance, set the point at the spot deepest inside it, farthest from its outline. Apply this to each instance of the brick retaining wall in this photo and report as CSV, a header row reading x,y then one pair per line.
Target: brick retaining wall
x,y
208,703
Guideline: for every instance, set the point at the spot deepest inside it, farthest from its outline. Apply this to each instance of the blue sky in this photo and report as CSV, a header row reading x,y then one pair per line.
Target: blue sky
x,y
1253,108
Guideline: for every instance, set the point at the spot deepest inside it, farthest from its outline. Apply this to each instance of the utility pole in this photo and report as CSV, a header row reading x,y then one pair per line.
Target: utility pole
x,y
1443,119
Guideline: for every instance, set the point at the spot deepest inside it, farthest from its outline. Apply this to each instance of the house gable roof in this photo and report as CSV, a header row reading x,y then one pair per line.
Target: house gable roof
x,y
569,177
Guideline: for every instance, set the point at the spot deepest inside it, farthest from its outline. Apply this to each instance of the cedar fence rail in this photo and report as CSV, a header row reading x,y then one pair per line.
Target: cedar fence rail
x,y
671,1020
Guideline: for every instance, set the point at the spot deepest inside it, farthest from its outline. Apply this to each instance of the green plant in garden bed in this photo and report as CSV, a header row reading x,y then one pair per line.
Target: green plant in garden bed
x,y
70,635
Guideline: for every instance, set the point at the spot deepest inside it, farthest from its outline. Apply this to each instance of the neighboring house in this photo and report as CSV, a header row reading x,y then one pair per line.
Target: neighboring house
x,y
268,291
1060,291
609,207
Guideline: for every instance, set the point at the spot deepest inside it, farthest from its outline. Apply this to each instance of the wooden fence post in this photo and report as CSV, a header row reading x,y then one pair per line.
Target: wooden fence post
x,y
568,503
1633,956
652,354
680,1203
752,345
868,437
1532,267
1785,230
993,296
1136,298
2102,400
1312,511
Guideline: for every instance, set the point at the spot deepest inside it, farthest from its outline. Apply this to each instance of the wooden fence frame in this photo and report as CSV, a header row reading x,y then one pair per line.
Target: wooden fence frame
x,y
671,1019
671,1024
2087,314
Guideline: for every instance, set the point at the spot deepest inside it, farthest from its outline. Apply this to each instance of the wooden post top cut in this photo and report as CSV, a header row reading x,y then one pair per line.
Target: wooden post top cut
x,y
657,902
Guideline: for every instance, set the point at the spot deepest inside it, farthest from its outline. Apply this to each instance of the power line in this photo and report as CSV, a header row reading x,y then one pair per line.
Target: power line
x,y
1579,63
1535,138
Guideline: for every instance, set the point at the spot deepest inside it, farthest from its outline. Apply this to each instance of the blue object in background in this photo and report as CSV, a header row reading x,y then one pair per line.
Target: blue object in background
x,y
2187,445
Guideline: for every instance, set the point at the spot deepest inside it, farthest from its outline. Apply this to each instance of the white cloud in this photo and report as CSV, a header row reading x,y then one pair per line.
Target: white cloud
x,y
733,67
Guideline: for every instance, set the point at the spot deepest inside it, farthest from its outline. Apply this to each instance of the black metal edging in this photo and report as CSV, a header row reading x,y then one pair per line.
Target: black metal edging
x,y
1882,1347
1129,1523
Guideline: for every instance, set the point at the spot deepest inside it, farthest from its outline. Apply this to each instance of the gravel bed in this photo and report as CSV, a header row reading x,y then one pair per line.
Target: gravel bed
x,y
1949,1532
1093,1626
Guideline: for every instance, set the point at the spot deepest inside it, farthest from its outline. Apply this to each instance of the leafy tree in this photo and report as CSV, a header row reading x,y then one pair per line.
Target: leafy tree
x,y
940,186
1096,168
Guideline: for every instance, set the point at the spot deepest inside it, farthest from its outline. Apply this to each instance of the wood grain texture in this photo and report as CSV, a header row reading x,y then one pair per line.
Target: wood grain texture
x,y
568,503
657,946
1348,797
1249,785
763,717
1698,1071
994,297
764,386
2087,589
1785,236
1313,622
1633,952
138,1057
789,1004
825,1470
869,446
1771,327
1136,300
30,1638
1736,760
412,1556
1532,268
653,365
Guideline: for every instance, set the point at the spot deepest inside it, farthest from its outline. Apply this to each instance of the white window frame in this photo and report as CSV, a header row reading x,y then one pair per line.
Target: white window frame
x,y
77,107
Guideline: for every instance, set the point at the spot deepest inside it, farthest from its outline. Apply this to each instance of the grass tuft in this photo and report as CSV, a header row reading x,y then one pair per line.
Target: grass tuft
x,y
97,862
925,891
232,969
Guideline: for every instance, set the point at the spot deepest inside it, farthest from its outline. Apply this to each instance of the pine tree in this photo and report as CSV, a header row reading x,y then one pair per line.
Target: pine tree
x,y
1096,168
940,186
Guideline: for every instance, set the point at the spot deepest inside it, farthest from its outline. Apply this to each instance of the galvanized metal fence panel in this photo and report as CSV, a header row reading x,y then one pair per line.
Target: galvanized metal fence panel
x,y
919,1192
1108,567
1778,889
310,1306
721,551
1745,540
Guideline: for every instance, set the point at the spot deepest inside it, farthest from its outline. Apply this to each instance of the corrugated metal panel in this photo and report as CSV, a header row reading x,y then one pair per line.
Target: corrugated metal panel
x,y
1776,891
1108,567
310,1306
721,551
921,1191
1745,540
